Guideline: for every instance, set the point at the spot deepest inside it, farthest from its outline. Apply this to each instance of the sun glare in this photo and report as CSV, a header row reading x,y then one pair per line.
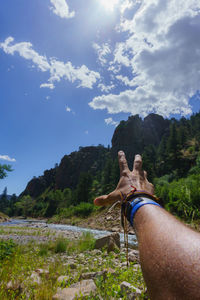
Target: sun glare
x,y
109,4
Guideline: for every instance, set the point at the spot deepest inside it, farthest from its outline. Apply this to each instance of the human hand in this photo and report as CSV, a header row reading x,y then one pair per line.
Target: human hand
x,y
128,179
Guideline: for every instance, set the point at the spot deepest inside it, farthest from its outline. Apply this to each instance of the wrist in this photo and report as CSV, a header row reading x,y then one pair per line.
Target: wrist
x,y
136,204
132,202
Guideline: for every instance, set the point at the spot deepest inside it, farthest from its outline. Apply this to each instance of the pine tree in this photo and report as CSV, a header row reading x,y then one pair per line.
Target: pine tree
x,y
4,169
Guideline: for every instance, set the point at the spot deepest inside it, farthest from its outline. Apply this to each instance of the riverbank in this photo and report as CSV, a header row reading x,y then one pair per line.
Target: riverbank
x,y
3,218
56,265
102,219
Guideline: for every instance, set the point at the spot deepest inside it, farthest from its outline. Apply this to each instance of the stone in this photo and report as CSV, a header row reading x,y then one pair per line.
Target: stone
x,y
83,288
73,266
91,275
132,257
104,241
136,267
124,264
115,229
96,252
135,252
81,256
42,272
14,286
131,291
111,246
63,280
111,271
109,218
35,278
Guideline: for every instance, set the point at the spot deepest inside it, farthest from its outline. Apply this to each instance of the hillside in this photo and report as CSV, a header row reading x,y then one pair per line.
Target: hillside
x,y
170,150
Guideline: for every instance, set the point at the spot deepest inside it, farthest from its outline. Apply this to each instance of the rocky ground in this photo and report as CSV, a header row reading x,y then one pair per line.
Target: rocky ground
x,y
40,233
91,274
104,219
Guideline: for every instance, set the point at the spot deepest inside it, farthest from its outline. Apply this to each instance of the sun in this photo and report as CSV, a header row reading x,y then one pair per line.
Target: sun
x,y
109,5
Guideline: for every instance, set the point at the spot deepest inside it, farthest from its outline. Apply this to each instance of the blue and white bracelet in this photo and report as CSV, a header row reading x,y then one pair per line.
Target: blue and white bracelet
x,y
132,202
136,204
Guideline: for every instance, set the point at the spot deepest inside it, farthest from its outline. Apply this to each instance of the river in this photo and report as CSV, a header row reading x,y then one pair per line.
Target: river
x,y
61,227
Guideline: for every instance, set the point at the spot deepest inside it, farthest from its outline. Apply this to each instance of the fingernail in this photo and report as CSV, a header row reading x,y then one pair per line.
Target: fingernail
x,y
121,153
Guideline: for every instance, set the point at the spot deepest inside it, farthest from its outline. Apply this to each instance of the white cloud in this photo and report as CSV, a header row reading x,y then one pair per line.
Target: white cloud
x,y
61,9
162,51
102,51
110,121
50,86
127,4
121,56
25,50
125,80
58,70
86,132
7,158
114,68
106,88
68,109
47,97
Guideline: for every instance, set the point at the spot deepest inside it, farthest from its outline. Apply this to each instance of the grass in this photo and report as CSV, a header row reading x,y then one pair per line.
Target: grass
x,y
55,256
61,245
9,230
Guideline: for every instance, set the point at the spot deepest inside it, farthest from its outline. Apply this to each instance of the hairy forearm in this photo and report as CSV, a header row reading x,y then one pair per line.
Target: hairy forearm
x,y
169,254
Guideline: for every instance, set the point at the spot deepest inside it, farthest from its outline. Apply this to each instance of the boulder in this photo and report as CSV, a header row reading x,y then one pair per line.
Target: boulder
x,y
14,286
91,275
83,288
108,241
129,290
96,252
132,257
35,278
63,280
42,272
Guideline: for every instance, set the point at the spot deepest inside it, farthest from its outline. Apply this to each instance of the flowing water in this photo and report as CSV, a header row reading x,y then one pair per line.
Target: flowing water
x,y
61,227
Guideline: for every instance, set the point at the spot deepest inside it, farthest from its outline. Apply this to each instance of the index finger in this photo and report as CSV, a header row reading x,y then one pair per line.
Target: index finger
x,y
122,162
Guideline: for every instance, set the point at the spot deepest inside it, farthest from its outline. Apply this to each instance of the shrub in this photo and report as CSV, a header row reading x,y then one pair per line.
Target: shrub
x,y
44,248
83,209
60,245
6,249
86,242
181,196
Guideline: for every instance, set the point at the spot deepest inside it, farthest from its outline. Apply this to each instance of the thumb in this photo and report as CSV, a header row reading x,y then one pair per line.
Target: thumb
x,y
108,199
101,201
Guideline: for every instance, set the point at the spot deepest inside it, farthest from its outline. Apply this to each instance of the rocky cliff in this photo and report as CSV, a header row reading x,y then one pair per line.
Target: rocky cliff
x,y
67,173
131,136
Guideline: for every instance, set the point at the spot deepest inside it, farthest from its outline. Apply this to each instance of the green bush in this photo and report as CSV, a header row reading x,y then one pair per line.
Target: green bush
x,y
181,197
44,249
81,210
6,249
60,245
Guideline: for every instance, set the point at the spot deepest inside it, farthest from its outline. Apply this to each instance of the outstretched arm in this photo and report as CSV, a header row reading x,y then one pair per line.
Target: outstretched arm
x,y
169,251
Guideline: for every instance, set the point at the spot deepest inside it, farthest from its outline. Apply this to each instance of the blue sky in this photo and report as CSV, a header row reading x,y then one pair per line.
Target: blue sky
x,y
71,70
